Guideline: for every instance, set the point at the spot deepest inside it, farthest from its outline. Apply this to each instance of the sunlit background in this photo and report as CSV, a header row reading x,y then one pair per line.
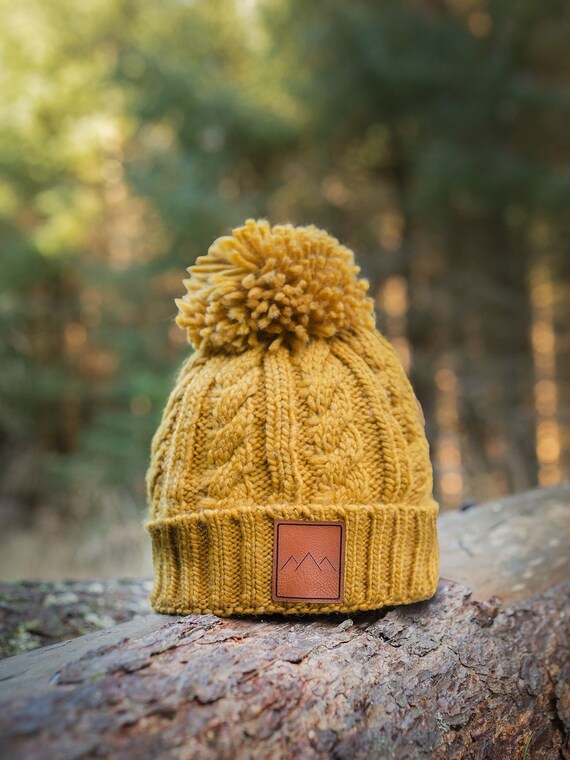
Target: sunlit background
x,y
431,136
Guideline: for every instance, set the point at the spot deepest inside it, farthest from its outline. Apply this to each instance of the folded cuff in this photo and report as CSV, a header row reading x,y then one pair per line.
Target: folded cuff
x,y
220,561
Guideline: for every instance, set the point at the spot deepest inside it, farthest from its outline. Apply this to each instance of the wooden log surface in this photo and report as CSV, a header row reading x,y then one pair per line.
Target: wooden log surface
x,y
480,671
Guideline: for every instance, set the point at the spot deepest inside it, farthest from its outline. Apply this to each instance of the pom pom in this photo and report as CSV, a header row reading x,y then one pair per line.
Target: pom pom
x,y
273,286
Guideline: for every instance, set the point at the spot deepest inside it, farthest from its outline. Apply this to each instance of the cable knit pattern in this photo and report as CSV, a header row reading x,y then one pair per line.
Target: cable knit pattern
x,y
333,443
281,427
389,376
162,439
236,472
282,413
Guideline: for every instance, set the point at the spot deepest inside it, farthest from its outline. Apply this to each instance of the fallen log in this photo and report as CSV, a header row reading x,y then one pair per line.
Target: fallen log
x,y
482,670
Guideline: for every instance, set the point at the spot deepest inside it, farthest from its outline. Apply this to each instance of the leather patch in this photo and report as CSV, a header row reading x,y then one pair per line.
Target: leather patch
x,y
308,561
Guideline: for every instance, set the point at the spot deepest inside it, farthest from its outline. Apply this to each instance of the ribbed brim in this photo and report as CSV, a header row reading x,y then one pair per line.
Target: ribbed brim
x,y
221,561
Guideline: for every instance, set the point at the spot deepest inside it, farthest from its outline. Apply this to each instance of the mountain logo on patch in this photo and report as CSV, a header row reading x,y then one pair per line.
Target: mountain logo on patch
x,y
308,561
308,558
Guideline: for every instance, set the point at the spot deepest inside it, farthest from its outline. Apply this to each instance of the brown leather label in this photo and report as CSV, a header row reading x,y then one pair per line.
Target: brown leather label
x,y
308,561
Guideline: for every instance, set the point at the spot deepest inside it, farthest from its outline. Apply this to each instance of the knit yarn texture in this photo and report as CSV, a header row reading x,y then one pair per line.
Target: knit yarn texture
x,y
292,406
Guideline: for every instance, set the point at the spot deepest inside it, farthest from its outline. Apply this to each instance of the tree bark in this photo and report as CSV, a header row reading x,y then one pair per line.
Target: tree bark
x,y
479,671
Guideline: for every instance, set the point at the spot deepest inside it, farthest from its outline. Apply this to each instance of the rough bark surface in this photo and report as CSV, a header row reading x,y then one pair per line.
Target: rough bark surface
x,y
479,673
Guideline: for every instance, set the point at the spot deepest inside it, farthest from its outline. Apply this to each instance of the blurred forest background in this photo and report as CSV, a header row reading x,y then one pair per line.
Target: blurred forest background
x,y
431,136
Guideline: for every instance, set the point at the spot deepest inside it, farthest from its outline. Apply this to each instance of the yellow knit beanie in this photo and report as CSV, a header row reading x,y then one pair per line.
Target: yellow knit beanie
x,y
290,472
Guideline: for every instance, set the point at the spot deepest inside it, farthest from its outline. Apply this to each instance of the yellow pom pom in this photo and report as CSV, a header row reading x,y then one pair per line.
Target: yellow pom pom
x,y
273,286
